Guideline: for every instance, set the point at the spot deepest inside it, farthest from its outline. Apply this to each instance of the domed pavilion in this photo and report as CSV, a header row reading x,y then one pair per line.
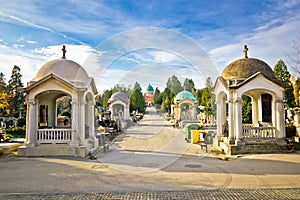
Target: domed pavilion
x,y
253,78
119,105
44,134
185,107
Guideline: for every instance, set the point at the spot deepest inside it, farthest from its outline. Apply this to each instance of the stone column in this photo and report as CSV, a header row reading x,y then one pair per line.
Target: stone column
x,y
91,112
126,111
231,119
31,123
280,118
75,129
238,118
255,111
194,111
219,117
81,121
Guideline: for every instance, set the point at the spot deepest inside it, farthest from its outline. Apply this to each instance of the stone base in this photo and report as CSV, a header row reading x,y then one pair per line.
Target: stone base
x,y
257,146
47,150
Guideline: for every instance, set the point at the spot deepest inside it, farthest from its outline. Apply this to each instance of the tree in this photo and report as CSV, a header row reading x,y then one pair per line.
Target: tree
x,y
198,95
209,84
247,110
137,101
4,104
16,95
166,105
207,99
157,96
174,85
167,93
188,85
105,97
281,72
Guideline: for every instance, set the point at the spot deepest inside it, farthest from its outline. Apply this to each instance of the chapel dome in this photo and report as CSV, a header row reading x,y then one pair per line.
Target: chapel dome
x,y
119,96
246,67
65,69
184,95
149,88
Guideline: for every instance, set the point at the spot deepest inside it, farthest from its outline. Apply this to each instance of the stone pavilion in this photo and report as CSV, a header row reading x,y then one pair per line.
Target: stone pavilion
x,y
44,135
184,108
119,105
253,78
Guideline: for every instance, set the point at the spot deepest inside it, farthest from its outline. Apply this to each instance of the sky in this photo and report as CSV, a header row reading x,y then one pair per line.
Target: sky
x,y
121,42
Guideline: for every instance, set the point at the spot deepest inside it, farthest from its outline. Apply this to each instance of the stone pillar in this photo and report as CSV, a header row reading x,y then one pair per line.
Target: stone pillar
x,y
81,119
238,118
194,111
91,112
255,111
31,123
75,129
126,111
219,117
280,118
231,120
297,122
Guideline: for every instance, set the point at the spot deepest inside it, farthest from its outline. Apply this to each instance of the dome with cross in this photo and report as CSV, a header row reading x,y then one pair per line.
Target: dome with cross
x,y
244,68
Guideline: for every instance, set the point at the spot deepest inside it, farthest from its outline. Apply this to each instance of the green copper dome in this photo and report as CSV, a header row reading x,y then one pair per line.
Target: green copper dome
x,y
149,88
184,95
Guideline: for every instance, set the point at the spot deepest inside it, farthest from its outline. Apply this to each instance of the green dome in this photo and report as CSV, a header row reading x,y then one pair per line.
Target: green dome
x,y
149,88
185,95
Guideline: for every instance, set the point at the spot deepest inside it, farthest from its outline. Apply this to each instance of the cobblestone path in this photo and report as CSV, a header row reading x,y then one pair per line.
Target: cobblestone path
x,y
238,194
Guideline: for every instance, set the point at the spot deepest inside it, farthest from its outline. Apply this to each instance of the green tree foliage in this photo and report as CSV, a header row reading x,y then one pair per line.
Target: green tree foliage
x,y
209,84
174,85
105,97
281,72
4,97
167,93
207,99
166,105
137,101
188,85
17,97
296,87
198,95
247,110
157,98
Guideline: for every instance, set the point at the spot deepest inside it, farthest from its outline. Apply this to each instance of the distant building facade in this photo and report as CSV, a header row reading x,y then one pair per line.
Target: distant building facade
x,y
148,95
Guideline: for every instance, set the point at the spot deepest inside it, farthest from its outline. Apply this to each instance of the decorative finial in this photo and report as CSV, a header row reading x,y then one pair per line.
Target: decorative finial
x,y
64,52
246,51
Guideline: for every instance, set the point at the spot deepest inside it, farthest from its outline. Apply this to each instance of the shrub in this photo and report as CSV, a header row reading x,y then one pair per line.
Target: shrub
x,y
21,122
18,132
66,113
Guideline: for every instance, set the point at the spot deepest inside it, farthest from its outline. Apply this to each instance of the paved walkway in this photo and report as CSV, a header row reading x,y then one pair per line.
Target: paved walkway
x,y
152,161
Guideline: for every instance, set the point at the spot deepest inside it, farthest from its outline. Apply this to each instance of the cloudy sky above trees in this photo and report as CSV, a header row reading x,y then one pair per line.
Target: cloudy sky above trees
x,y
120,42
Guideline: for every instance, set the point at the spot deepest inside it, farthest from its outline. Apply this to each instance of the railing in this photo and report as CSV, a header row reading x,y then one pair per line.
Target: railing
x,y
54,136
258,132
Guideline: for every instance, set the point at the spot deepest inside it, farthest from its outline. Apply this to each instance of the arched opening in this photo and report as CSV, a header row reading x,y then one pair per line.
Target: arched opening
x,y
54,109
266,105
118,111
247,110
64,111
186,111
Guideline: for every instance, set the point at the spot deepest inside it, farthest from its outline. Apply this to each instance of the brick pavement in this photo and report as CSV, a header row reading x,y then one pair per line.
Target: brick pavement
x,y
238,194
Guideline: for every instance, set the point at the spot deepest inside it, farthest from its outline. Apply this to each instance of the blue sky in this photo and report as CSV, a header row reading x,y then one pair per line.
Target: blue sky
x,y
120,42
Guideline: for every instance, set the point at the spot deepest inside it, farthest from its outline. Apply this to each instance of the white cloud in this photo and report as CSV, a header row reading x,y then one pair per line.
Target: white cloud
x,y
269,45
31,42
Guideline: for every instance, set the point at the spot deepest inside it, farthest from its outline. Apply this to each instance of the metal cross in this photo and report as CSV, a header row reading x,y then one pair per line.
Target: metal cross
x,y
64,52
246,51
